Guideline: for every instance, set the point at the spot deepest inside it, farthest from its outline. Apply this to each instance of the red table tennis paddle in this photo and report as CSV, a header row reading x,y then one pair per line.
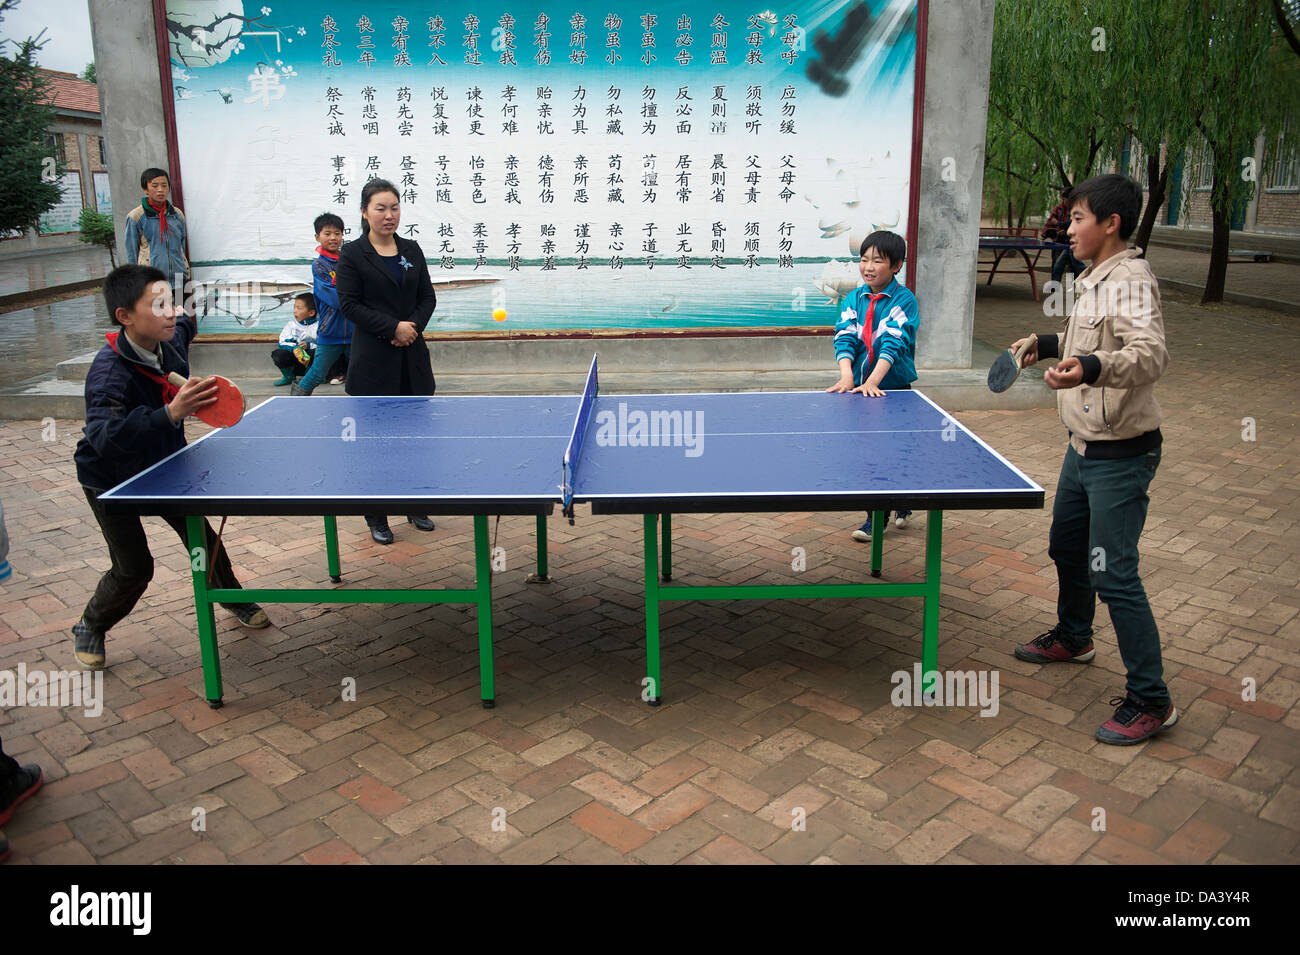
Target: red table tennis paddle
x,y
226,410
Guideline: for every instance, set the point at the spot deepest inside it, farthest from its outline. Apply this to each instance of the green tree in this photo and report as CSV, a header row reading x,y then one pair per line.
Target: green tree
x,y
88,74
29,173
1287,14
1070,81
1049,125
97,229
1247,84
1156,112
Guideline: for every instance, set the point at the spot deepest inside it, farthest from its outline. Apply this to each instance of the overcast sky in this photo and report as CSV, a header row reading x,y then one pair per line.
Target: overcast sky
x,y
67,28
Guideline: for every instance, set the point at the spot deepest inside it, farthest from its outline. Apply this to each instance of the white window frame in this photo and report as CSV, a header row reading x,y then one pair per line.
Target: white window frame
x,y
1282,162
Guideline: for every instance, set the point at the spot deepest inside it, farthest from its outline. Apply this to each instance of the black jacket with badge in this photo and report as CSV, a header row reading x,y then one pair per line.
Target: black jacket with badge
x,y
128,428
374,303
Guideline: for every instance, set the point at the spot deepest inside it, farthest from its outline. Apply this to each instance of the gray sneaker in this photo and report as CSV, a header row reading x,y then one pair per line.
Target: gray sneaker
x,y
249,615
88,646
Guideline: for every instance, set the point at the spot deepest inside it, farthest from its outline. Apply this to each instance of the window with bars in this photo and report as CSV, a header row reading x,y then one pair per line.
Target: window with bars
x,y
1137,161
1200,168
1282,162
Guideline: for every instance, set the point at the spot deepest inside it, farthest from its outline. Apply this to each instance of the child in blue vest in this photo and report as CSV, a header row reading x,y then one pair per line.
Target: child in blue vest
x,y
333,330
875,337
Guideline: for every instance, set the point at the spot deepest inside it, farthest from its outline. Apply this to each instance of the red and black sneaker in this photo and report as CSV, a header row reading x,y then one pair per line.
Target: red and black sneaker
x,y
1135,720
1049,648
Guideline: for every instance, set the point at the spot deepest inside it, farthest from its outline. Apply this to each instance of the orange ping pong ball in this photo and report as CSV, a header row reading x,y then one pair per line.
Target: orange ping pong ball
x,y
498,314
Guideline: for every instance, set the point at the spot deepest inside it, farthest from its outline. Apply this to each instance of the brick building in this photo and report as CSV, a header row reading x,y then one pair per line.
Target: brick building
x,y
1275,207
76,138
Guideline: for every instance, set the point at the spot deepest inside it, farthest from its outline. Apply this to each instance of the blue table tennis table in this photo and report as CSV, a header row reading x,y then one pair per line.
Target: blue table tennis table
x,y
648,454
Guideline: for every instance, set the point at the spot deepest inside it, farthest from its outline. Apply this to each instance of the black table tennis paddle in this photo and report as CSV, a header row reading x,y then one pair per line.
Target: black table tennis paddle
x,y
1006,367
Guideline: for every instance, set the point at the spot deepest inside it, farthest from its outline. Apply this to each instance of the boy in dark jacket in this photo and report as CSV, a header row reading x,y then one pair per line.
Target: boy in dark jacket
x,y
134,419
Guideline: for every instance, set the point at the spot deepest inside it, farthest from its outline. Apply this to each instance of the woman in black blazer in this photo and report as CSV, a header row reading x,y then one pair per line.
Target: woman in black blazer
x,y
385,291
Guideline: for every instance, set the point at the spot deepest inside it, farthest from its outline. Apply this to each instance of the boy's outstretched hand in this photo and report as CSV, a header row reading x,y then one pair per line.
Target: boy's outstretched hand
x,y
841,386
1067,374
196,393
870,390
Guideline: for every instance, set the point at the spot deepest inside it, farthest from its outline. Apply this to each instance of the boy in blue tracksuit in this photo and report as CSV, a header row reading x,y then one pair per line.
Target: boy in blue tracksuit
x,y
875,337
333,330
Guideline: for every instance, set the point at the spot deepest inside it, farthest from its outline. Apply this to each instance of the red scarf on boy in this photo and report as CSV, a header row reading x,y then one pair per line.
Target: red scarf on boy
x,y
169,390
161,212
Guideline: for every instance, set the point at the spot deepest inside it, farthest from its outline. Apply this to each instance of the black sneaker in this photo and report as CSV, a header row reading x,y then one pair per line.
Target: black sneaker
x,y
249,615
1050,648
24,783
88,646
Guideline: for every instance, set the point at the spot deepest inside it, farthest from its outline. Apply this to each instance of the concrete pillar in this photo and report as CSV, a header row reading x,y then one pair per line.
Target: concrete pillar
x,y
1252,207
959,51
130,98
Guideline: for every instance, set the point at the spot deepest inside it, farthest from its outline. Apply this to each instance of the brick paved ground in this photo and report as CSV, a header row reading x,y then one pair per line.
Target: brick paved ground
x,y
772,707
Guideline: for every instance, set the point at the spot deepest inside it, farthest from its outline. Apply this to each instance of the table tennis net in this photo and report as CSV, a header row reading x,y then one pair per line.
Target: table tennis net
x,y
573,453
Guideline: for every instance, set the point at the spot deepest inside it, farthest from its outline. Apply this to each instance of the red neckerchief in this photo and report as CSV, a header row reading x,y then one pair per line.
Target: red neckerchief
x,y
169,390
320,250
162,216
866,324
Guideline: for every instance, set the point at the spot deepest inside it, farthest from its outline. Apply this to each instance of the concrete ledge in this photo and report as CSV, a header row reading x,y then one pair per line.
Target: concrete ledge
x,y
1285,248
1235,298
953,389
49,398
18,300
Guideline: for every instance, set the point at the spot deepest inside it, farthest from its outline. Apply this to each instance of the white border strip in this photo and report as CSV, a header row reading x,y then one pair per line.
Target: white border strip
x,y
981,442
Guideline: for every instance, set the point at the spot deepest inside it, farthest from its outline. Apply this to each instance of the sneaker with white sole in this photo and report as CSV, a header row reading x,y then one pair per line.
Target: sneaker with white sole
x,y
900,518
88,646
863,534
1051,647
1135,720
249,615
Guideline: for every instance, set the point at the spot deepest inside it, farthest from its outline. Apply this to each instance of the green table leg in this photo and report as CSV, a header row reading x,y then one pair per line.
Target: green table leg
x,y
483,599
650,687
930,611
541,576
332,549
667,556
878,519
199,558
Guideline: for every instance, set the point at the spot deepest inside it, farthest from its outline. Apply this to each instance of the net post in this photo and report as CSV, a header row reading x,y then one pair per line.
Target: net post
x,y
573,452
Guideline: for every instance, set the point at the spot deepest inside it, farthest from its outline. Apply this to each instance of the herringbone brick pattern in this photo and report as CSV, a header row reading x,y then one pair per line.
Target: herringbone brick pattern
x,y
778,741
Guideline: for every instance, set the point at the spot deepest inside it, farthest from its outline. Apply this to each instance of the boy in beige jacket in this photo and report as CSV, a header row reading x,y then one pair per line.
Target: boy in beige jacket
x,y
1111,355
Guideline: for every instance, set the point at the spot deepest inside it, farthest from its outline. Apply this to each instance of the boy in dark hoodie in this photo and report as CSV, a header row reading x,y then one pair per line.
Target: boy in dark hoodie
x,y
333,330
134,419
